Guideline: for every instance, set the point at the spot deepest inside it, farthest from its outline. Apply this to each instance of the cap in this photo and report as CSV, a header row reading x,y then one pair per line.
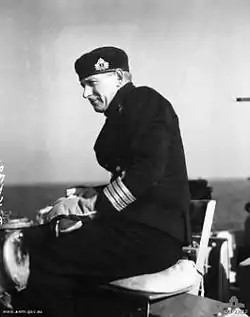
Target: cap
x,y
101,60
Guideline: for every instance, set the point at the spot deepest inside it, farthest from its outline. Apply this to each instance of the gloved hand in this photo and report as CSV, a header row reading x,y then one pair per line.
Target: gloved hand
x,y
71,212
71,208
65,208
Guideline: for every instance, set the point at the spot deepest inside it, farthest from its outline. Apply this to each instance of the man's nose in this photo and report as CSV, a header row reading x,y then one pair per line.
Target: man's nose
x,y
87,91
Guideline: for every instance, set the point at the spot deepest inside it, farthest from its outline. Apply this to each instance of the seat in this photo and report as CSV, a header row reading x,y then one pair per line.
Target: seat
x,y
188,273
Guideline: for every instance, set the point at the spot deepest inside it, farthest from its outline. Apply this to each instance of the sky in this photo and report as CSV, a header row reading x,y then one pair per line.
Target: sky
x,y
194,52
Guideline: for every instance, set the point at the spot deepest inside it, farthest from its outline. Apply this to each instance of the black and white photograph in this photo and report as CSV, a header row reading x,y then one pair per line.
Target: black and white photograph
x,y
125,158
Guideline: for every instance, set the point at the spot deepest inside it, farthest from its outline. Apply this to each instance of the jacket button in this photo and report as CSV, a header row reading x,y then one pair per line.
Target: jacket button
x,y
118,169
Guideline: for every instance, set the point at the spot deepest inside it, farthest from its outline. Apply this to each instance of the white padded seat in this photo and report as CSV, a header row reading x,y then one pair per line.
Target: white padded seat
x,y
181,277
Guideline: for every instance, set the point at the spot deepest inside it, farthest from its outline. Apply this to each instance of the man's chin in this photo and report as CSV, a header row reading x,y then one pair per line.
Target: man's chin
x,y
99,107
99,110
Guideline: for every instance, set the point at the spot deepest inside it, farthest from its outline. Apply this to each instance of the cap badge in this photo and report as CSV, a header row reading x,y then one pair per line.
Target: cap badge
x,y
101,65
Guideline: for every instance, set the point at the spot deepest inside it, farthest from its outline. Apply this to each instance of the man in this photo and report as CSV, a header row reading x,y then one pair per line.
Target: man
x,y
140,217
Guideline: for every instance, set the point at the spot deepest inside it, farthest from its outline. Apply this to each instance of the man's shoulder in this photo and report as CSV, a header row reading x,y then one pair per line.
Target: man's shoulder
x,y
146,90
146,94
145,103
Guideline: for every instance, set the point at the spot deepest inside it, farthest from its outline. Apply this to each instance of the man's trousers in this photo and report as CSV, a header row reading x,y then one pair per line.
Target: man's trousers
x,y
100,251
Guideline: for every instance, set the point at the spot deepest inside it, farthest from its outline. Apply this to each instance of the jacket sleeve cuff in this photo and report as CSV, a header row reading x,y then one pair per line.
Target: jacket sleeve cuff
x,y
115,195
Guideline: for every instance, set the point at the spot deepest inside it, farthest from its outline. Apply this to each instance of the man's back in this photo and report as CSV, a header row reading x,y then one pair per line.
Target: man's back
x,y
141,140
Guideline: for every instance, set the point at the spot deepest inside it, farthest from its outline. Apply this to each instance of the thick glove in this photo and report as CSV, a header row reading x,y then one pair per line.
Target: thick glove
x,y
65,208
72,208
71,212
61,208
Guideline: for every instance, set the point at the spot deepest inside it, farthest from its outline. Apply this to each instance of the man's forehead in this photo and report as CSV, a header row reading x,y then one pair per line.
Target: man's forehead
x,y
95,77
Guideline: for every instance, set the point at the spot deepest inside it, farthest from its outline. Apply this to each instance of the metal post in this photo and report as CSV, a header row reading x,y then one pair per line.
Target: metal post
x,y
4,214
2,176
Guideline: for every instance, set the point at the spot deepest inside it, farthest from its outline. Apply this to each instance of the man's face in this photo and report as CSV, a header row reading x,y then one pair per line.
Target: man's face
x,y
100,89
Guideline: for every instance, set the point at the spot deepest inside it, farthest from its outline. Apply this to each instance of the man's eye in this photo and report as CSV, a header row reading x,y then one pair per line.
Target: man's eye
x,y
92,83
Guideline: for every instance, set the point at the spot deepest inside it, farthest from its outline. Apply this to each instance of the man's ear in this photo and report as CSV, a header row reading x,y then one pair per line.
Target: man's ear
x,y
119,75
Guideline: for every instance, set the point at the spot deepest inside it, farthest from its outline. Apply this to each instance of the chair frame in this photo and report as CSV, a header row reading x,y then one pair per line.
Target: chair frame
x,y
202,252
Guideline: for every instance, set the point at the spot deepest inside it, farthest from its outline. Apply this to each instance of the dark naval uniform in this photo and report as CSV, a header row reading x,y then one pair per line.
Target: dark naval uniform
x,y
140,144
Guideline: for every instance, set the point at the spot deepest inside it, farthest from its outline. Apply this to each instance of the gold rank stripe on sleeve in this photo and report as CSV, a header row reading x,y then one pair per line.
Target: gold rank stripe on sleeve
x,y
118,194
